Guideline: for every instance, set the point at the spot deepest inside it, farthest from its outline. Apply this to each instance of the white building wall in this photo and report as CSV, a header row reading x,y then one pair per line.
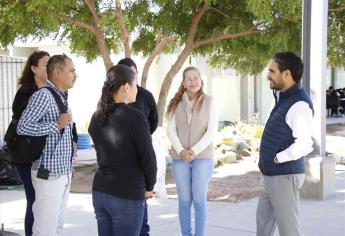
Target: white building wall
x,y
339,79
224,85
264,96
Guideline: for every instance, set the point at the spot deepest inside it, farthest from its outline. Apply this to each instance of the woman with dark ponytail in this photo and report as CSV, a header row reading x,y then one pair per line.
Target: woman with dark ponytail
x,y
126,171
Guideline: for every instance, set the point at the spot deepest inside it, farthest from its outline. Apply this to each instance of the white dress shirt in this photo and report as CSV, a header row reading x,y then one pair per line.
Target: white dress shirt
x,y
299,119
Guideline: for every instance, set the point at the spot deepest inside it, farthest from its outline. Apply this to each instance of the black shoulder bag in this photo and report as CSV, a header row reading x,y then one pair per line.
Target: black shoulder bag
x,y
25,149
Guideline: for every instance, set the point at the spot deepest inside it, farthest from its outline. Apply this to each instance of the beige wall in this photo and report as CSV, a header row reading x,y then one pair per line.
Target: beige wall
x,y
226,93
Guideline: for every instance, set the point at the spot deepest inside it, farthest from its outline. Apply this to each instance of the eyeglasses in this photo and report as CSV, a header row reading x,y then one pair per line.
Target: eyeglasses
x,y
189,80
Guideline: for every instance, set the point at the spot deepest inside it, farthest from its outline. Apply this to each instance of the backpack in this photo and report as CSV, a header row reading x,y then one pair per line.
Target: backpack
x,y
26,149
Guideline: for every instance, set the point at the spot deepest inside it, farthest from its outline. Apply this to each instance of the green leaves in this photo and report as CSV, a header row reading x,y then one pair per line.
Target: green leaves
x,y
279,23
336,32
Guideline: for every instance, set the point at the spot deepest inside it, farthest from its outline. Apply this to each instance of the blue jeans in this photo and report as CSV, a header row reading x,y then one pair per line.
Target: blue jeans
x,y
192,183
24,172
117,216
145,228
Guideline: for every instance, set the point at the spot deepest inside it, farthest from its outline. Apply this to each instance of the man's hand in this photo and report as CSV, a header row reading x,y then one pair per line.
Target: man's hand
x,y
64,119
75,150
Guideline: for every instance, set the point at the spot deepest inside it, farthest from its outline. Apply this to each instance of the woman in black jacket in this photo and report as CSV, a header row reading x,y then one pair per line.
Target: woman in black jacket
x,y
126,171
33,77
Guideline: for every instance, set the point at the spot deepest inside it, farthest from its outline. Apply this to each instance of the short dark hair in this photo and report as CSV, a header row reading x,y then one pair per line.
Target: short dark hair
x,y
128,62
56,61
289,61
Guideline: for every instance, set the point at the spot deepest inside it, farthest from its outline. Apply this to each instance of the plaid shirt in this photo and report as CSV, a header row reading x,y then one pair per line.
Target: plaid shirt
x,y
40,118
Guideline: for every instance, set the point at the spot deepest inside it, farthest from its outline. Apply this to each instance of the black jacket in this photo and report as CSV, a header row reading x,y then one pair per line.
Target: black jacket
x,y
20,101
126,160
145,103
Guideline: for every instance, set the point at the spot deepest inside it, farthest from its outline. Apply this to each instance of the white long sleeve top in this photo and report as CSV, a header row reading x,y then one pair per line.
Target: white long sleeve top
x,y
206,139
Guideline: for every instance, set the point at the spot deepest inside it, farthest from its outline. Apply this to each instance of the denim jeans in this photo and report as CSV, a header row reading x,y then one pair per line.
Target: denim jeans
x,y
192,183
24,172
117,216
145,228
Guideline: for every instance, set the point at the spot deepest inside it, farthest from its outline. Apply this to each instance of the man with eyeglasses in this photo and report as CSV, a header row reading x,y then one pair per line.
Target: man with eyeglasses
x,y
51,173
145,103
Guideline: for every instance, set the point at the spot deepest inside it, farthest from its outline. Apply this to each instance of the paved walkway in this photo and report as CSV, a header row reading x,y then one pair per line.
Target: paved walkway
x,y
318,218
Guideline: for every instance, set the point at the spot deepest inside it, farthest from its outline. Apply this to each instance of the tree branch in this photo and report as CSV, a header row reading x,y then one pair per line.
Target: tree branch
x,y
99,34
336,9
219,11
161,43
217,38
68,19
194,24
123,32
92,8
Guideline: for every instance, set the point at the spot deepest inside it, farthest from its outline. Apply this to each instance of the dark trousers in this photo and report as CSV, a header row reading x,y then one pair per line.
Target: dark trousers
x,y
24,172
145,228
117,216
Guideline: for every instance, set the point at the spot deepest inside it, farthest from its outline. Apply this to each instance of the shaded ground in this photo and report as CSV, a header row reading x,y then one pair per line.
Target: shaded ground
x,y
230,183
336,129
335,140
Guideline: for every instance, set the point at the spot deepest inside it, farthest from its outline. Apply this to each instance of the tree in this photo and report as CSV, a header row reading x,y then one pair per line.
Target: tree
x,y
234,33
241,34
83,24
336,33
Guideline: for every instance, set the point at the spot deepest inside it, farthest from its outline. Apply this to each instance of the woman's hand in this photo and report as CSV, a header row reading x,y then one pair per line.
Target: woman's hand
x,y
149,194
187,155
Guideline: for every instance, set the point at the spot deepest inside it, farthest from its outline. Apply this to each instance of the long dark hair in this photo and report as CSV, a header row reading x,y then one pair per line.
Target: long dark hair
x,y
116,77
178,95
27,80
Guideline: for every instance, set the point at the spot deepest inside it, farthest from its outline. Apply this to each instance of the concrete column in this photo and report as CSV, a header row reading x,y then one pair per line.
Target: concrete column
x,y
244,97
320,169
247,97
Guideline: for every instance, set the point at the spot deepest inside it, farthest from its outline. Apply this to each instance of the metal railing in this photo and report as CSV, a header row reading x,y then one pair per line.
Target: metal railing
x,y
10,70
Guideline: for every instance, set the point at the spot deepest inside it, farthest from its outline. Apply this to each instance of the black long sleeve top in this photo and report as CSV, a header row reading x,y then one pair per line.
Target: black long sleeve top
x,y
145,102
20,101
126,160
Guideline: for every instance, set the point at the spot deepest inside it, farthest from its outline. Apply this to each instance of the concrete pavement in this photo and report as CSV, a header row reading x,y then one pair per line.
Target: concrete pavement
x,y
318,218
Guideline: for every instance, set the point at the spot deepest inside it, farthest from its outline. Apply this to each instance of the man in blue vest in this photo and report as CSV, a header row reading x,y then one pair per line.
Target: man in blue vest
x,y
285,141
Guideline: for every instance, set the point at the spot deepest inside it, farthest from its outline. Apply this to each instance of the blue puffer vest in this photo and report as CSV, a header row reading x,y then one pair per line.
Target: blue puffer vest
x,y
277,135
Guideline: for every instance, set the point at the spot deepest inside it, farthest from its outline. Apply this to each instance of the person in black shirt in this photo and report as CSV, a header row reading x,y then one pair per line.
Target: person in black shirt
x,y
34,76
145,103
127,167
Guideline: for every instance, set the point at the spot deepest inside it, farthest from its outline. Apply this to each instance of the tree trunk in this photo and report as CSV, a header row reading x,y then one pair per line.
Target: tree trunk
x,y
103,48
158,48
122,27
168,81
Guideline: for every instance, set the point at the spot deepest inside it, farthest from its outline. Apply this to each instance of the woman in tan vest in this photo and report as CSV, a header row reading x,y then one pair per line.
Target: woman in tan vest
x,y
193,121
